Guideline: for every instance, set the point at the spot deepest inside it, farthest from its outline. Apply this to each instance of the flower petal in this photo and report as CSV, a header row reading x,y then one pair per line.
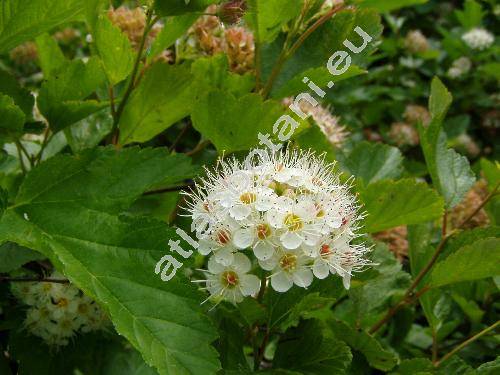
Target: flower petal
x,y
320,269
240,211
243,238
241,263
281,282
302,277
224,256
263,250
291,240
250,284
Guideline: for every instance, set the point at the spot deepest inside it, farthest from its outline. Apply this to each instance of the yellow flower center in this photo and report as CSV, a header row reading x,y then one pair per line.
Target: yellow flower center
x,y
63,302
263,231
288,262
248,198
293,222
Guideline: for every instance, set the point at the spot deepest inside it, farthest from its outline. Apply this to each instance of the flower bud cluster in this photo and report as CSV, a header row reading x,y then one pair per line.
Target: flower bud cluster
x,y
416,42
208,36
288,212
57,312
329,124
132,23
24,53
403,134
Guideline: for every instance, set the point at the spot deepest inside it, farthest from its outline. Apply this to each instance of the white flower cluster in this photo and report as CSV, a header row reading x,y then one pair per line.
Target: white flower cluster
x,y
478,38
58,311
459,67
288,210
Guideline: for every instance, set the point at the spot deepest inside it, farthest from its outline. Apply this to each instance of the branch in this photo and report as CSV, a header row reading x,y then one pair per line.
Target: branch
x,y
483,203
428,266
170,189
467,342
116,119
33,279
286,54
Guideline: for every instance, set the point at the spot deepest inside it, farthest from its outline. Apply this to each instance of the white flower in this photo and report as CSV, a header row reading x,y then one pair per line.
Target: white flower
x,y
220,242
57,311
260,237
290,267
478,39
231,282
280,206
459,67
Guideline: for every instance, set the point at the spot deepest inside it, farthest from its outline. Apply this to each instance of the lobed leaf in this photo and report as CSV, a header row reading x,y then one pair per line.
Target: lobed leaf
x,y
389,204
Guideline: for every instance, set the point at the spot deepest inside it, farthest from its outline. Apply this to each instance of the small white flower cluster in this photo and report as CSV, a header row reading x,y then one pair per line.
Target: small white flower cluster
x,y
57,311
478,39
288,210
459,67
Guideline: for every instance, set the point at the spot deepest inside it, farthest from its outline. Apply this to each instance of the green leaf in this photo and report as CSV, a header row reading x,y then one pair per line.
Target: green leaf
x,y
471,16
177,7
373,162
11,119
311,306
22,97
163,97
267,17
320,76
390,204
90,131
4,198
450,172
489,368
213,73
62,102
322,44
420,366
388,5
439,100
22,20
88,354
314,139
471,262
309,350
233,124
50,56
68,208
174,28
13,256
491,172
361,341
114,49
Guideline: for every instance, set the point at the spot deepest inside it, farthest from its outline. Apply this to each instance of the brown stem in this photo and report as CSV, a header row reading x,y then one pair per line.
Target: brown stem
x,y
287,53
393,310
483,203
119,111
199,147
33,279
179,137
20,155
170,189
445,222
466,342
428,266
45,141
434,346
